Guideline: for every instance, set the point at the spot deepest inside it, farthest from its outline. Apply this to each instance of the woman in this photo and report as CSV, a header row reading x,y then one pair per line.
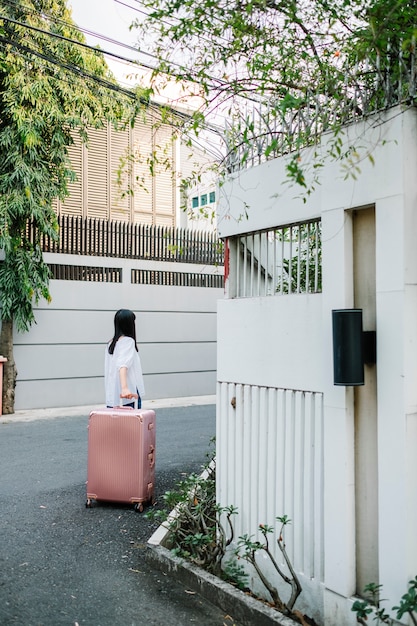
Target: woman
x,y
123,377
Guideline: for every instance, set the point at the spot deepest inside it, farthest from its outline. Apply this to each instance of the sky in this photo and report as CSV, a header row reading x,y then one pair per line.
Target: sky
x,y
111,19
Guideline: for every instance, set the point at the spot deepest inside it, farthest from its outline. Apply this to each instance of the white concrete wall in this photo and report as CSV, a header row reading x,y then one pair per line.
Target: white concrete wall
x,y
271,342
267,353
60,360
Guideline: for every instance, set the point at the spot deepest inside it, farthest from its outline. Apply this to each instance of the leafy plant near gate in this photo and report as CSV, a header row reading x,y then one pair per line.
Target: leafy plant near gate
x,y
248,549
371,606
198,535
196,532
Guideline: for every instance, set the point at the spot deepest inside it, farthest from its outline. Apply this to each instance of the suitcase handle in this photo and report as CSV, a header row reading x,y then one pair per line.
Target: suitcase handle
x,y
123,406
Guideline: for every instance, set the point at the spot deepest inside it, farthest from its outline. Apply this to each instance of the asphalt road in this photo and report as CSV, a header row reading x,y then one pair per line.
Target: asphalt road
x,y
61,563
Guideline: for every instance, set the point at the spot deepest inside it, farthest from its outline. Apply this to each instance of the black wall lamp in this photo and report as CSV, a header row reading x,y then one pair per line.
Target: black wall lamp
x,y
352,347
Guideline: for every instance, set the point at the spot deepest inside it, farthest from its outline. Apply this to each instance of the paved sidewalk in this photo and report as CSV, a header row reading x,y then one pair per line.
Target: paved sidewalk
x,y
29,415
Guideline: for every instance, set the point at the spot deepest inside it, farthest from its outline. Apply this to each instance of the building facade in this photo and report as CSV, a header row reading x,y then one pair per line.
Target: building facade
x,y
134,174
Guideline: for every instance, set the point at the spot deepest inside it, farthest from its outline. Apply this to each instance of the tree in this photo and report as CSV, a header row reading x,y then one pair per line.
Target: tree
x,y
283,71
50,87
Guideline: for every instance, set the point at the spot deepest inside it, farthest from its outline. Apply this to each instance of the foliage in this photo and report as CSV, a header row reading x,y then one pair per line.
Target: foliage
x,y
234,573
49,88
196,532
260,62
371,607
247,549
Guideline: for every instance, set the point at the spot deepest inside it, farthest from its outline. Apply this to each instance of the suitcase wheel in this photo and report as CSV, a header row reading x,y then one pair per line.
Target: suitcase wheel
x,y
88,504
139,507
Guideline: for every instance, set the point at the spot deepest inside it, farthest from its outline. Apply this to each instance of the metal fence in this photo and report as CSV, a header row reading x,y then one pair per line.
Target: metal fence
x,y
272,128
95,237
283,260
86,273
176,279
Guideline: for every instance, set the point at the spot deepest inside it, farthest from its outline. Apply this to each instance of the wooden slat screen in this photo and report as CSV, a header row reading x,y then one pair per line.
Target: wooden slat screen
x,y
98,174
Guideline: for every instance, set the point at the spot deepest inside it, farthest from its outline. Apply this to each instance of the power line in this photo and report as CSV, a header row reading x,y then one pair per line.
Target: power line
x,y
174,18
84,73
184,74
187,75
90,33
70,67
74,69
81,43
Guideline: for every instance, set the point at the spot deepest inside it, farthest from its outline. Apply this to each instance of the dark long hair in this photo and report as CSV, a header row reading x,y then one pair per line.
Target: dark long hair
x,y
124,325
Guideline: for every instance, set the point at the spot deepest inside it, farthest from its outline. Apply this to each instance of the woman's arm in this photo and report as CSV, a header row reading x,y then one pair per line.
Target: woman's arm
x,y
125,392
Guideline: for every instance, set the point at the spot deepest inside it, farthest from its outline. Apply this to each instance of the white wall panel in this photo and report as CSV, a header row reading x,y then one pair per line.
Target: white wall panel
x,y
44,363
285,349
178,357
60,360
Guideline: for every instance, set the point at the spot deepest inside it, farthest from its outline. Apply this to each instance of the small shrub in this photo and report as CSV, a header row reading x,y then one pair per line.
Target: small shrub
x,y
235,574
196,532
371,606
248,549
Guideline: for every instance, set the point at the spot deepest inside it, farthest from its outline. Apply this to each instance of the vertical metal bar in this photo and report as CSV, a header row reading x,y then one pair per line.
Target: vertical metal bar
x,y
299,259
89,235
317,257
274,265
252,264
387,100
238,251
290,263
307,287
310,492
282,230
400,72
259,273
412,79
266,271
135,240
245,264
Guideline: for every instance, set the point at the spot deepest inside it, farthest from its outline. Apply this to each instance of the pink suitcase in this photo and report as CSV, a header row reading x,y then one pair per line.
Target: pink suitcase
x,y
121,456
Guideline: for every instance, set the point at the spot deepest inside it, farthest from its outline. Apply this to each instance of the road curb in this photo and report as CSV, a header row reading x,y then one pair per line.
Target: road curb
x,y
242,607
30,415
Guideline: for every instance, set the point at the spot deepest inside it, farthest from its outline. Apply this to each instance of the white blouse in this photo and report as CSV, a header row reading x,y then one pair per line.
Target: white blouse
x,y
124,355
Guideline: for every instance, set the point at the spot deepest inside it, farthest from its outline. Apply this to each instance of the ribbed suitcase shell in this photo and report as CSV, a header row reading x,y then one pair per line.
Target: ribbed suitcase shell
x,y
121,456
